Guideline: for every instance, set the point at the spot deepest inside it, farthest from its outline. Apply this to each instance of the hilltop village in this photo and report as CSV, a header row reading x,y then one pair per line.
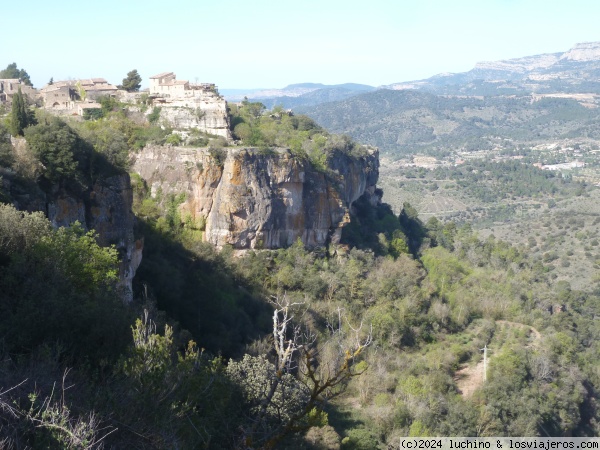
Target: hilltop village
x,y
186,105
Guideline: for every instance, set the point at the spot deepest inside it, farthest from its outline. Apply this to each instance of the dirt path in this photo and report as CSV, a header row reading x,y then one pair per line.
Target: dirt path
x,y
469,378
536,333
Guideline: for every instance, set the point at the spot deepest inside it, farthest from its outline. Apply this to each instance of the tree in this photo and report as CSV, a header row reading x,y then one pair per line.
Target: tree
x,y
58,286
286,396
132,82
412,225
19,117
58,148
11,71
6,149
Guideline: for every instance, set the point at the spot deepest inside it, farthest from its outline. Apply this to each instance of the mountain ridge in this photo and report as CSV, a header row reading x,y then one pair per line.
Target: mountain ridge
x,y
543,73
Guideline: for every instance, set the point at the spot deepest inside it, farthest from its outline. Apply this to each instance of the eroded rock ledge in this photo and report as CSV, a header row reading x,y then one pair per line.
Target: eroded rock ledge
x,y
252,200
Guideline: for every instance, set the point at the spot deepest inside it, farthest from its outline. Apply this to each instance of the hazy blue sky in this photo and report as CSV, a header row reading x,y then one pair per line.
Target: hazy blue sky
x,y
266,43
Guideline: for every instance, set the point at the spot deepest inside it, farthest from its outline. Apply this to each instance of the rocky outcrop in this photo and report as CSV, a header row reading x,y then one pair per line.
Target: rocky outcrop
x,y
250,199
585,51
517,65
545,73
557,64
105,207
209,117
207,112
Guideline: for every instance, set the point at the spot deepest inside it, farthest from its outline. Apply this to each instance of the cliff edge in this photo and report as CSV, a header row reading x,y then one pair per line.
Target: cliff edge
x,y
251,200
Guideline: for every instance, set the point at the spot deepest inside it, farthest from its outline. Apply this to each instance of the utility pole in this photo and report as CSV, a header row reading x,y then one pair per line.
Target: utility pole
x,y
484,362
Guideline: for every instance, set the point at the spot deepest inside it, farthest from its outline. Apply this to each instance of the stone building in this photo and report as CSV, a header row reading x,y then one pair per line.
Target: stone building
x,y
71,94
186,105
166,85
162,84
58,96
10,86
93,88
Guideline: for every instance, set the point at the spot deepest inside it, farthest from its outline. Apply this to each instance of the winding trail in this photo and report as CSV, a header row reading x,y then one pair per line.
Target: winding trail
x,y
537,335
469,378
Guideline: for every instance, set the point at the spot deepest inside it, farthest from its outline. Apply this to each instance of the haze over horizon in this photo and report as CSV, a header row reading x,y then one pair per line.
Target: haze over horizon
x,y
266,44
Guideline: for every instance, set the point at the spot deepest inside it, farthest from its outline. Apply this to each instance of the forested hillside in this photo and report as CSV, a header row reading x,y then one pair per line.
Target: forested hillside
x,y
411,122
347,346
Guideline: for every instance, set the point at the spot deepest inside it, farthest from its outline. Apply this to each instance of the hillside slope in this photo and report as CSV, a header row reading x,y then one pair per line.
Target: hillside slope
x,y
575,70
407,122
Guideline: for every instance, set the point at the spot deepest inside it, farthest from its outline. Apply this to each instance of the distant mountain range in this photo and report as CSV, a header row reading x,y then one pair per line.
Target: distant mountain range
x,y
497,104
574,71
302,94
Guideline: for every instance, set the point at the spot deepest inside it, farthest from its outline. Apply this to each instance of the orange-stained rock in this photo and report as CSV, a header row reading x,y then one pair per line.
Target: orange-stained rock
x,y
257,200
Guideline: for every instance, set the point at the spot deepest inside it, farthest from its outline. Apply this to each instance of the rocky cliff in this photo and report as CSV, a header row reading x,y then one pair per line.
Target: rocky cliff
x,y
573,71
585,51
104,207
209,117
207,112
547,66
250,199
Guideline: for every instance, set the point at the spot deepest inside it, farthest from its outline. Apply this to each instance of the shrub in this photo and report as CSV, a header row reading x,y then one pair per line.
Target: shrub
x,y
58,148
154,115
92,114
173,139
58,288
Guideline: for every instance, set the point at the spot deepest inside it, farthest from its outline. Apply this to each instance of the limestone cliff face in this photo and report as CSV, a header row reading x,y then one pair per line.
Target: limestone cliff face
x,y
253,200
206,112
105,208
585,51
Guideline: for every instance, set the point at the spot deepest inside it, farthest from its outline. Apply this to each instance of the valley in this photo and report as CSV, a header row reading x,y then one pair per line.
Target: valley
x,y
518,212
445,142
197,273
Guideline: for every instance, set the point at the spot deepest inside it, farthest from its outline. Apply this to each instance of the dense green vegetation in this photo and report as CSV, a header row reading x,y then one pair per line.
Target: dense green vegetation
x,y
255,126
429,316
492,182
409,122
350,346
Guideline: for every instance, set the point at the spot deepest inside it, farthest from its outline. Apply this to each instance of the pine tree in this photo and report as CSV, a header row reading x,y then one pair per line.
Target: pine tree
x,y
12,71
19,118
132,82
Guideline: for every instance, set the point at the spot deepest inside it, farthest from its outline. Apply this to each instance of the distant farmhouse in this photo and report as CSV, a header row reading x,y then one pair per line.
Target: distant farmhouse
x,y
9,87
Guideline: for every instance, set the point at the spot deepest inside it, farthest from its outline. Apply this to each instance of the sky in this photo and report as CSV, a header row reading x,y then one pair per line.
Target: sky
x,y
271,44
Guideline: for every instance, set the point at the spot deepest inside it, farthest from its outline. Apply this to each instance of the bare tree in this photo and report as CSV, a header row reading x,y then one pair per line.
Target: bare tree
x,y
323,369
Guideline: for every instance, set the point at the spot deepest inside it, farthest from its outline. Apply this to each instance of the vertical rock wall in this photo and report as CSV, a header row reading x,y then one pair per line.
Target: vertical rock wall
x,y
249,199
